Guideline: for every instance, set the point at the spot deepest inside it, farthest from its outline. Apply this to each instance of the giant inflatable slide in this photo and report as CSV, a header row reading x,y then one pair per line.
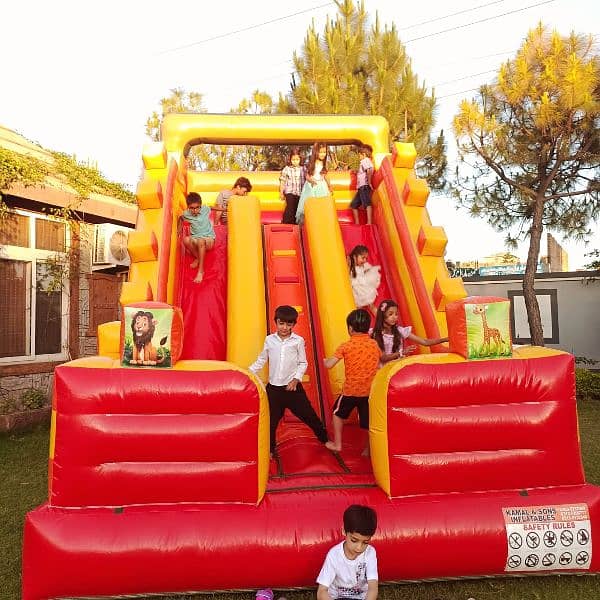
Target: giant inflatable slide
x,y
160,479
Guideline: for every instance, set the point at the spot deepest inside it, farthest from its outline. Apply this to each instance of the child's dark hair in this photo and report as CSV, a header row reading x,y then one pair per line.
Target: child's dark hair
x,y
356,251
193,198
286,313
243,182
314,155
360,519
378,327
367,149
359,320
294,151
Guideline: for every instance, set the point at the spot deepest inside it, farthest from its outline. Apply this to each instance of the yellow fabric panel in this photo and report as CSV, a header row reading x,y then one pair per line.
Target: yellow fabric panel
x,y
109,339
521,352
178,130
405,155
178,199
154,155
135,291
331,279
378,430
141,247
246,307
52,434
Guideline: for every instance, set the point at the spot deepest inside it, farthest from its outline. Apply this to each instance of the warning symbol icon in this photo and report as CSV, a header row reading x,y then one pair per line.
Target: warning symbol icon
x,y
550,539
532,539
514,561
548,559
532,560
566,538
582,557
583,537
515,541
565,558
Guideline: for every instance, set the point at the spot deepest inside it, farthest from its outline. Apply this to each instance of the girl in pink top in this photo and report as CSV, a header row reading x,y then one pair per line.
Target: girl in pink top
x,y
390,336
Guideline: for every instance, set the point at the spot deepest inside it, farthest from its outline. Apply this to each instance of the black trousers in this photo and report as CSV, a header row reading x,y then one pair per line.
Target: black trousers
x,y
297,402
291,206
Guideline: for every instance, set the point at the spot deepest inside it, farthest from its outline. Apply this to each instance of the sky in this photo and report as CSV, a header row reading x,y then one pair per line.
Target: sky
x,y
83,77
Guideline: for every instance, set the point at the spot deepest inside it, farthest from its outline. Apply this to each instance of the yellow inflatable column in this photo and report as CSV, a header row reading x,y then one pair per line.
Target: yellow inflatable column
x,y
246,307
330,278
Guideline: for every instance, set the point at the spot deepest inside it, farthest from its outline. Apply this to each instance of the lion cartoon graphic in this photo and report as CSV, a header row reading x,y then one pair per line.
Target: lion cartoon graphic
x,y
143,325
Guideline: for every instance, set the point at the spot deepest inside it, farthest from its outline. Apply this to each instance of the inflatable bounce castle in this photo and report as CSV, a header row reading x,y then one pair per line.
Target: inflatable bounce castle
x,y
160,478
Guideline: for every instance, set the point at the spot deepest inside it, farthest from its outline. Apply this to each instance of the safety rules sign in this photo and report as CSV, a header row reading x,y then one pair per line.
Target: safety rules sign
x,y
548,537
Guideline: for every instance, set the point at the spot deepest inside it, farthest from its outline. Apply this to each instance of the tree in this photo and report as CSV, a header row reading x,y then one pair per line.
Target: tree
x,y
352,68
178,101
533,138
594,257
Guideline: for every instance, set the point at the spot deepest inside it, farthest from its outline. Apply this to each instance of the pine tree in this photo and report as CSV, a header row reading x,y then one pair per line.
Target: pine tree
x,y
354,68
533,141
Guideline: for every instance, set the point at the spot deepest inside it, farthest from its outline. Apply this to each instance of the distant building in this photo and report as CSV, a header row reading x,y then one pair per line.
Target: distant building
x,y
505,263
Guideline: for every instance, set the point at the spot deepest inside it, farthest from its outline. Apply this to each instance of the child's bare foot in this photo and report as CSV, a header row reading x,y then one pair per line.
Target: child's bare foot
x,y
331,446
199,277
194,264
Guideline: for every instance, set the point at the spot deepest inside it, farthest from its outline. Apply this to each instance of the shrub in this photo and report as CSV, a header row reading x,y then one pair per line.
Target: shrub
x,y
588,384
33,399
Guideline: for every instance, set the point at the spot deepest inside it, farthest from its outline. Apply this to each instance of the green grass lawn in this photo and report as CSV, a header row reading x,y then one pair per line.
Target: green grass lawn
x,y
23,462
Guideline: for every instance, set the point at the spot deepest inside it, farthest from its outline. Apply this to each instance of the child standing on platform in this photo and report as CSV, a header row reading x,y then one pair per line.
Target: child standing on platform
x,y
317,183
292,181
241,187
390,336
202,234
364,185
350,568
361,359
286,355
364,278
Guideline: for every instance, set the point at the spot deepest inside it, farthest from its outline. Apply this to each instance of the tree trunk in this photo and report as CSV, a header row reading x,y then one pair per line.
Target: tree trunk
x,y
531,304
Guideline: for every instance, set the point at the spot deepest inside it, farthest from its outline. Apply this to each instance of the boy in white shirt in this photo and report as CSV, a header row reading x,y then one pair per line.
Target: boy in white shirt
x,y
286,354
350,568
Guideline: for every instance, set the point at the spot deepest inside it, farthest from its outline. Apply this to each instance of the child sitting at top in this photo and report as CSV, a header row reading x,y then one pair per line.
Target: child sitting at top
x,y
364,184
364,278
361,359
390,336
241,187
202,233
286,354
350,568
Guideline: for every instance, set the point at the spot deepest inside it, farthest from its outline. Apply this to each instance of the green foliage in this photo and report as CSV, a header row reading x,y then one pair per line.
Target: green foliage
x,y
33,399
30,399
494,350
534,149
178,101
86,180
594,264
18,168
354,68
587,384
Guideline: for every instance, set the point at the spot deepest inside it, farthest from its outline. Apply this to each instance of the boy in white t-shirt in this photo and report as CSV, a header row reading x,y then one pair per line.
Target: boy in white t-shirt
x,y
350,567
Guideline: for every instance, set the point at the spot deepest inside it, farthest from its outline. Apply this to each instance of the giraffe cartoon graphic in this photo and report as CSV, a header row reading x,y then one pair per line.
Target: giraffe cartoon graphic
x,y
493,341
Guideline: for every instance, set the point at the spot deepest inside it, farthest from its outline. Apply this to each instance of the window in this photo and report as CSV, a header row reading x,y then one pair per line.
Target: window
x,y
33,289
548,303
